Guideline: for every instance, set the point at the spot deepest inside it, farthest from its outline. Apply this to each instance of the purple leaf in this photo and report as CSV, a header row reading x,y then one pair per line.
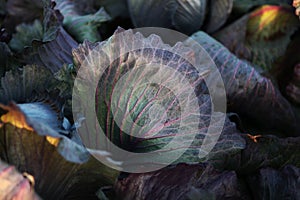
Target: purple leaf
x,y
155,114
249,93
182,182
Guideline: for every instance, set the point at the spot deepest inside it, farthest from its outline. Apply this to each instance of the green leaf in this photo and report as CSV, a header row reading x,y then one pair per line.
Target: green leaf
x,y
66,76
82,27
243,6
262,36
46,44
21,84
35,83
101,195
25,34
267,151
268,33
53,54
115,8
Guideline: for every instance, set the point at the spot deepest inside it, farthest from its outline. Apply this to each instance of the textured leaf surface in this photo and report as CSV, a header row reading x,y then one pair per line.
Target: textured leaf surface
x,y
260,152
269,151
269,183
44,121
248,92
261,36
81,52
54,50
218,15
158,127
115,8
55,177
47,43
23,84
242,6
182,182
82,27
41,115
234,38
26,33
34,139
185,16
53,54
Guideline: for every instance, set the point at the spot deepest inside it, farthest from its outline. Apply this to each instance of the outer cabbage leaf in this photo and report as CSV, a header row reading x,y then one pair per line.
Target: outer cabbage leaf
x,y
250,94
82,27
53,54
269,183
115,8
54,50
137,98
185,16
22,84
25,34
45,43
203,181
42,115
262,36
243,6
36,126
219,11
39,117
55,177
81,52
182,182
267,151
